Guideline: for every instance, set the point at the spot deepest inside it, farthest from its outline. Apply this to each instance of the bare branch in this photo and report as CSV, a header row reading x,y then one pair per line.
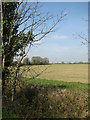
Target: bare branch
x,y
82,37
13,21
47,32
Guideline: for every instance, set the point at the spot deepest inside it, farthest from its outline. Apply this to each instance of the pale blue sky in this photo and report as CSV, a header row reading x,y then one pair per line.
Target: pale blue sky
x,y
61,45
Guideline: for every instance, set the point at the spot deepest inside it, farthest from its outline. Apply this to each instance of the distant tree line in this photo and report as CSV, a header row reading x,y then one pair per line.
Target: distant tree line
x,y
34,61
39,61
71,62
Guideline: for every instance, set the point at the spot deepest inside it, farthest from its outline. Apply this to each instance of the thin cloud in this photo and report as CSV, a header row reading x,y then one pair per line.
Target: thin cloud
x,y
38,42
59,37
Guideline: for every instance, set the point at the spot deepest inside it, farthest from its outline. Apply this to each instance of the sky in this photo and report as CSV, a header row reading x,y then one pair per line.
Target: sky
x,y
62,45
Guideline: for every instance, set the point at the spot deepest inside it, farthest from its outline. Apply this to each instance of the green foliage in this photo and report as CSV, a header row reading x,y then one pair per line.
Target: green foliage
x,y
10,50
8,114
8,14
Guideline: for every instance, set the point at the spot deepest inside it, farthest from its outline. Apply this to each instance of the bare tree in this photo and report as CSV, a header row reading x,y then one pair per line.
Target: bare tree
x,y
26,61
83,37
39,61
32,27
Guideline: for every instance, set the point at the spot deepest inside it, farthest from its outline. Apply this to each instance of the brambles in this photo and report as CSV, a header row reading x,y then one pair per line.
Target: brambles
x,y
50,101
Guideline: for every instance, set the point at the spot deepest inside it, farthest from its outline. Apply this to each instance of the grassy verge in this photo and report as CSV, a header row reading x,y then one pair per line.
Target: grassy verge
x,y
41,98
75,86
8,114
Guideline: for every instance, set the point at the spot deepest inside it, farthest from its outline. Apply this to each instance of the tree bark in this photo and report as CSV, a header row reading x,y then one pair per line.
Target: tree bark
x,y
15,83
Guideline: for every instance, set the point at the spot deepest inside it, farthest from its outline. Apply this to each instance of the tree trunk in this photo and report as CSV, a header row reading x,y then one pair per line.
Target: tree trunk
x,y
3,56
13,90
14,84
3,74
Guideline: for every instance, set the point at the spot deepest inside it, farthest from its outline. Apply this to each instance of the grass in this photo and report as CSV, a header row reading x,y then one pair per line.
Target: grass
x,y
61,94
42,98
8,114
76,86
